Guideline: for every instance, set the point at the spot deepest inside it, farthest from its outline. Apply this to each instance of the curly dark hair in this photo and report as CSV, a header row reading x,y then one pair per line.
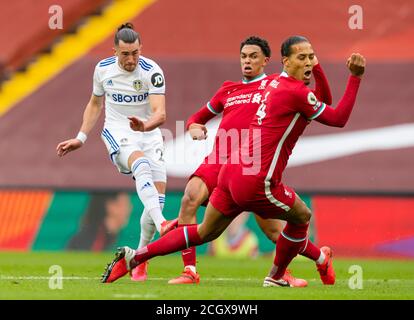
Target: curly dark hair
x,y
262,43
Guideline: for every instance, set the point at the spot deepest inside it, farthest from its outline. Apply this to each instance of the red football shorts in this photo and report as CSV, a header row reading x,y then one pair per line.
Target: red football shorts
x,y
236,193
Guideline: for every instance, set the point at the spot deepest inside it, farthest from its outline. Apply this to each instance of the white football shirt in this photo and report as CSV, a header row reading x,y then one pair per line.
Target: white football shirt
x,y
127,93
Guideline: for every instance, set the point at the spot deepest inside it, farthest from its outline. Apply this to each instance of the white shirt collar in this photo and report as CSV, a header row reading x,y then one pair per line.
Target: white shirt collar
x,y
259,77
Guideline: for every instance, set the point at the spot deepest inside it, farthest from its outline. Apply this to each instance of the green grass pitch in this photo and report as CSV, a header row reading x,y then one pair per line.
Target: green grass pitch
x,y
26,276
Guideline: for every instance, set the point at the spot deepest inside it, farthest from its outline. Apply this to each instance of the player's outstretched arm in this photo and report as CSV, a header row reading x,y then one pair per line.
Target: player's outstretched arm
x,y
90,116
196,123
322,90
338,117
201,117
159,115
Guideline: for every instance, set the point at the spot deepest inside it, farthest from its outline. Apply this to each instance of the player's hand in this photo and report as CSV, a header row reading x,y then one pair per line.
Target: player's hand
x,y
356,64
67,146
198,131
136,124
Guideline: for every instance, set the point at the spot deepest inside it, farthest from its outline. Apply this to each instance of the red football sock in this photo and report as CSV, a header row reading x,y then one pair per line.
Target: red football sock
x,y
290,242
188,255
311,251
173,241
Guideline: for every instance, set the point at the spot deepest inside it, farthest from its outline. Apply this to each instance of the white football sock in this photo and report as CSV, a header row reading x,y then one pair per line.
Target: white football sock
x,y
146,190
147,225
192,268
147,229
321,258
161,199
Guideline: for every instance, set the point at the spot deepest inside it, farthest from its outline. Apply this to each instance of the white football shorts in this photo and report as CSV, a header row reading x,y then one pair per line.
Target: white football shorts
x,y
121,143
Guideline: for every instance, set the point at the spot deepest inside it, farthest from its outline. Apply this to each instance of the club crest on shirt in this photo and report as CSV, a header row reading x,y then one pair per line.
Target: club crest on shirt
x,y
137,84
312,98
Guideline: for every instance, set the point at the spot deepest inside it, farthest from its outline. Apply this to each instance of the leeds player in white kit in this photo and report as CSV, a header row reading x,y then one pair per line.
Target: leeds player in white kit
x,y
134,91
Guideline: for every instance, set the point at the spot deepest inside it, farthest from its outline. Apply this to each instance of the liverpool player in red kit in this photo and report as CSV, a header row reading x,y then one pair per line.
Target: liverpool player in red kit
x,y
287,107
238,102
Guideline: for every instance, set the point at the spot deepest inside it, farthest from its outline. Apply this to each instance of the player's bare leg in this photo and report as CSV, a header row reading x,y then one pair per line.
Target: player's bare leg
x,y
213,225
270,227
195,194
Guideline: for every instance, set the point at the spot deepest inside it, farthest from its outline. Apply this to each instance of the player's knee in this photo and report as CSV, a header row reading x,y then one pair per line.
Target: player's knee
x,y
272,231
207,234
189,201
141,169
188,210
304,215
273,234
210,236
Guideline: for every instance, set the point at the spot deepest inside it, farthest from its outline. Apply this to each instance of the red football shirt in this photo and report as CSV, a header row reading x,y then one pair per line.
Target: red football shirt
x,y
287,108
238,101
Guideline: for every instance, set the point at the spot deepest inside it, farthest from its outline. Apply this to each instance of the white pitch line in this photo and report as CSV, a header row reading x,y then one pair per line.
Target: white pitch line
x,y
46,278
96,278
135,295
206,279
